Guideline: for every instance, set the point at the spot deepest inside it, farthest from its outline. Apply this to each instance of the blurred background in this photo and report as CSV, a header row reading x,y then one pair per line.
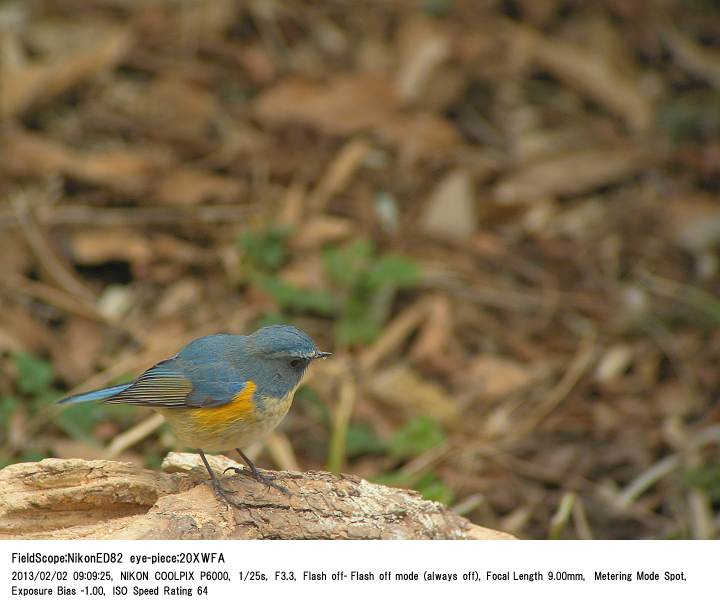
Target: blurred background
x,y
502,216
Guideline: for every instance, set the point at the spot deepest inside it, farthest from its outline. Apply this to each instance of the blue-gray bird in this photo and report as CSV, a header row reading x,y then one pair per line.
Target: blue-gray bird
x,y
222,391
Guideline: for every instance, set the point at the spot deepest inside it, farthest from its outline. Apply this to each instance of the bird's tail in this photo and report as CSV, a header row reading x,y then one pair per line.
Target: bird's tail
x,y
91,396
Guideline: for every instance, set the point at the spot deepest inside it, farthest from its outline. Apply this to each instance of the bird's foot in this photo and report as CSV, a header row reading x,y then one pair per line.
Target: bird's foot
x,y
224,493
264,478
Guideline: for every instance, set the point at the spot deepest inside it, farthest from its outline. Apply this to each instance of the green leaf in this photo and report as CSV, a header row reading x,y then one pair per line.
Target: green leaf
x,y
78,421
270,319
8,406
362,440
346,265
356,328
30,455
429,485
691,117
43,399
706,478
34,374
265,250
153,461
395,478
122,413
292,297
419,435
393,270
313,404
436,8
434,489
367,281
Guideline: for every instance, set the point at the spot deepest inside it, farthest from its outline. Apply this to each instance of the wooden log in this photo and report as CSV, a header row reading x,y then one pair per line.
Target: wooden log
x,y
78,499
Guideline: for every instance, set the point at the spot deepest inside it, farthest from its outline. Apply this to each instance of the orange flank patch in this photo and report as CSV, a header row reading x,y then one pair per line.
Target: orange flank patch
x,y
241,408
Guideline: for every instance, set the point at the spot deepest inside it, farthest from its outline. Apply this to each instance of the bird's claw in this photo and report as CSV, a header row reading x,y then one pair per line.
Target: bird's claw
x,y
224,493
278,487
264,478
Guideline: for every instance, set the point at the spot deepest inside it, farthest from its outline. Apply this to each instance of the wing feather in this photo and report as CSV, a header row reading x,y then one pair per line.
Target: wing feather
x,y
167,385
161,386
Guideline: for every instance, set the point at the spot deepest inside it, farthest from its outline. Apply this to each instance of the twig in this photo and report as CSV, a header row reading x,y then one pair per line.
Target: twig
x,y
645,480
582,526
87,215
340,423
48,259
562,515
282,452
132,436
52,296
339,173
395,333
581,362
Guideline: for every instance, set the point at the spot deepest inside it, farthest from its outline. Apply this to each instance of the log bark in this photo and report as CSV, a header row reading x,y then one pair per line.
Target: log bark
x,y
77,499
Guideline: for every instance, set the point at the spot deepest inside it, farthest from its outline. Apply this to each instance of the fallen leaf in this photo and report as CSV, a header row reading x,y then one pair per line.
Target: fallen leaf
x,y
185,186
181,295
25,84
571,173
15,256
420,134
181,251
343,106
339,172
695,221
100,245
354,103
166,107
21,331
435,333
115,301
322,230
403,388
590,73
76,357
450,210
136,170
614,362
695,58
497,377
394,334
257,63
424,44
128,170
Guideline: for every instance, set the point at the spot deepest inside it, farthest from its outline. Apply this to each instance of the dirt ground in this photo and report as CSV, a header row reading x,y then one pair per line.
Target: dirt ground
x,y
501,216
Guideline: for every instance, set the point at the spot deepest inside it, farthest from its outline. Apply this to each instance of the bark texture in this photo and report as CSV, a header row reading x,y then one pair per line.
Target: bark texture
x,y
77,499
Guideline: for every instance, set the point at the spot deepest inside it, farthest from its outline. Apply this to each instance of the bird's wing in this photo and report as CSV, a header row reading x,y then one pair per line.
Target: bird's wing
x,y
167,385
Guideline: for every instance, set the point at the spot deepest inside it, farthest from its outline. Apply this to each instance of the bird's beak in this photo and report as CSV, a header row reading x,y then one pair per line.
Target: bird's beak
x,y
321,355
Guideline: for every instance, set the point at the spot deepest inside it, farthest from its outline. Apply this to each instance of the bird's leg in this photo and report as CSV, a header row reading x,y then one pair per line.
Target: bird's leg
x,y
217,487
257,475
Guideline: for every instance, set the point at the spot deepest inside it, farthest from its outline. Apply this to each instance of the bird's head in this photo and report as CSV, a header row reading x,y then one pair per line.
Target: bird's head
x,y
281,354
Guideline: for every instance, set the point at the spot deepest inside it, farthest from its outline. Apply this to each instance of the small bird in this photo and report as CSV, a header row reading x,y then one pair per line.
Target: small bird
x,y
222,391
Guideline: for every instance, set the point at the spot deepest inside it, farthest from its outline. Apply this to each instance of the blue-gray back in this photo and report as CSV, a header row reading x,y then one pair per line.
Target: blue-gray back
x,y
213,369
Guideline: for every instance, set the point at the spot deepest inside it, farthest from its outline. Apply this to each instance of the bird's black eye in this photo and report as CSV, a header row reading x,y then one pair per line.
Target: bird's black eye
x,y
294,363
